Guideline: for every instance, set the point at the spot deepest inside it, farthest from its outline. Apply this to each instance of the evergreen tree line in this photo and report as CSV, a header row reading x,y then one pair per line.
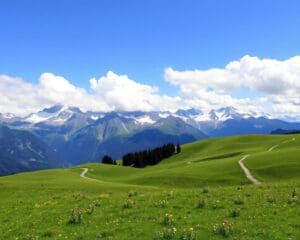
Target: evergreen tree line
x,y
108,160
150,157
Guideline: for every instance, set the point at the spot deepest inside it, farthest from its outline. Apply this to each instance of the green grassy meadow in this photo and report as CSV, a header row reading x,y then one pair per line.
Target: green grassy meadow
x,y
201,193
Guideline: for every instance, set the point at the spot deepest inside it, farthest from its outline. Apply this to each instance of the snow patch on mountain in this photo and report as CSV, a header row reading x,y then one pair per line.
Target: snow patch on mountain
x,y
7,116
95,117
145,120
164,115
56,115
45,114
36,118
218,115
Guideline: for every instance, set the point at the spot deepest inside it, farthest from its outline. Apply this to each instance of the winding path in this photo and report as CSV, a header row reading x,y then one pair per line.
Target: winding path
x,y
247,171
271,148
287,141
83,175
85,170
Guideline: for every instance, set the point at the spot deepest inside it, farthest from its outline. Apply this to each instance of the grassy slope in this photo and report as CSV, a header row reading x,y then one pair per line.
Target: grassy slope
x,y
213,162
39,203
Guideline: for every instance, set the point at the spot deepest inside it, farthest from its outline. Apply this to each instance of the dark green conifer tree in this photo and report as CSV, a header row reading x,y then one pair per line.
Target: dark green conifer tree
x,y
178,149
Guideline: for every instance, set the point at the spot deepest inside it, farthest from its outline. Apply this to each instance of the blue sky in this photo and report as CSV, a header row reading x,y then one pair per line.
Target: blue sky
x,y
83,39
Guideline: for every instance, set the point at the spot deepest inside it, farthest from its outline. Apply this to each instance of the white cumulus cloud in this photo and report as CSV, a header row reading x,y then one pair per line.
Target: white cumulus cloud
x,y
110,92
269,76
276,82
122,93
272,86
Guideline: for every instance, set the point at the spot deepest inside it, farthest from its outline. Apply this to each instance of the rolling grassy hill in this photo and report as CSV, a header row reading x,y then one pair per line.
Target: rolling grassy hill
x,y
213,162
201,193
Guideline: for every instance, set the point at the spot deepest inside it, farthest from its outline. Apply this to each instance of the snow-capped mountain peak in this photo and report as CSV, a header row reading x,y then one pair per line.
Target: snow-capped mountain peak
x,y
57,114
214,115
223,114
54,109
216,122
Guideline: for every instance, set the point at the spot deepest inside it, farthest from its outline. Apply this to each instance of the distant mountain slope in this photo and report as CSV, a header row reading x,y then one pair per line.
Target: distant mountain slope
x,y
146,139
251,125
116,136
22,151
176,126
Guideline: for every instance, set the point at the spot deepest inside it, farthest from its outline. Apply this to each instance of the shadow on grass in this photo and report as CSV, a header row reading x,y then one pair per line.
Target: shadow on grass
x,y
222,156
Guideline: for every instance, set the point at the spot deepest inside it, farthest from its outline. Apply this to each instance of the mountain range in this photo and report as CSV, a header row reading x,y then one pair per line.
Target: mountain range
x,y
74,137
